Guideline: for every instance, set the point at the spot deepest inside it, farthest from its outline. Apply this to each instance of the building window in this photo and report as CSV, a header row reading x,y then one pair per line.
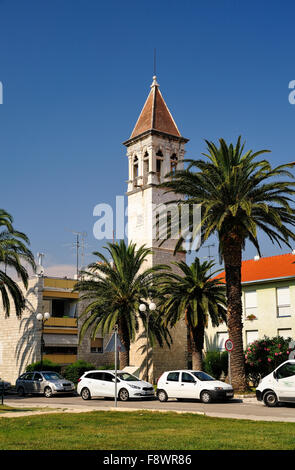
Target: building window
x,y
285,332
251,305
283,302
221,339
173,163
63,350
145,167
251,336
135,167
96,345
59,308
158,168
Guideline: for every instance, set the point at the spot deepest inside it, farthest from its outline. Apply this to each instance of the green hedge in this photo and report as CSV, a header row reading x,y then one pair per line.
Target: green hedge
x,y
74,371
46,365
215,363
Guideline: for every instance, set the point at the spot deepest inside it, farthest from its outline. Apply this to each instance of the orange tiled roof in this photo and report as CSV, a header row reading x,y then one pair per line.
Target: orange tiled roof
x,y
155,115
271,267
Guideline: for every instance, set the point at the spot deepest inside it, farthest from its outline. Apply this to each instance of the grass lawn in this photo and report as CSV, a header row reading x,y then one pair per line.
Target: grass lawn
x,y
5,408
107,430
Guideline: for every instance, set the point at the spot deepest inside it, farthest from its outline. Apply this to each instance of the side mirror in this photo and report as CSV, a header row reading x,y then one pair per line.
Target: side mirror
x,y
275,374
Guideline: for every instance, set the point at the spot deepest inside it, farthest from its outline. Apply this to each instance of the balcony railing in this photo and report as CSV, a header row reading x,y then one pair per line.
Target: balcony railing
x,y
61,358
62,322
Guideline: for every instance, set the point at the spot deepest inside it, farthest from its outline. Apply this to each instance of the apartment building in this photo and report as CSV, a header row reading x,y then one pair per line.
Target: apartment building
x,y
20,338
268,295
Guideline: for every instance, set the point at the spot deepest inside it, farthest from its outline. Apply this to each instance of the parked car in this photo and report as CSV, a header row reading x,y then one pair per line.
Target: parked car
x,y
192,384
278,386
47,383
96,383
4,385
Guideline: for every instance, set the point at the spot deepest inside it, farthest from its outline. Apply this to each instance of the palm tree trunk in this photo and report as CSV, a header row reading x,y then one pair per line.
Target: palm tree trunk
x,y
125,340
124,359
233,264
196,336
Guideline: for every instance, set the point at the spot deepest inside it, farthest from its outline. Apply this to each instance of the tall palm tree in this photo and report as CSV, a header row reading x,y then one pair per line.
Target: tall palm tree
x,y
15,258
113,288
193,295
239,196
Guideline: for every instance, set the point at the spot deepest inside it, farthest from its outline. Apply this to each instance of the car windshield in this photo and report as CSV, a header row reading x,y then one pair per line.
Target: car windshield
x,y
202,376
52,376
127,377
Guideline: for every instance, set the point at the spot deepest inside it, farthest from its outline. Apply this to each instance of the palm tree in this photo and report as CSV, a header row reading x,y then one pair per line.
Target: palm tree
x,y
195,297
15,257
114,288
239,196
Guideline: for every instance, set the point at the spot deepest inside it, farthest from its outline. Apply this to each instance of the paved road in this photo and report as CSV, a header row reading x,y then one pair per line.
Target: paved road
x,y
246,408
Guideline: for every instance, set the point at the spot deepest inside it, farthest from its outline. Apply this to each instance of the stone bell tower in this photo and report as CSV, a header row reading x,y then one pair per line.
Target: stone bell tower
x,y
154,149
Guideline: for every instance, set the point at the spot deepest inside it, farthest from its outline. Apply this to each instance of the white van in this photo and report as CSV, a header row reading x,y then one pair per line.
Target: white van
x,y
279,386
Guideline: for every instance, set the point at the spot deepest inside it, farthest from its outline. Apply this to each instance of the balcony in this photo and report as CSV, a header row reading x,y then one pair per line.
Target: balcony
x,y
61,358
61,322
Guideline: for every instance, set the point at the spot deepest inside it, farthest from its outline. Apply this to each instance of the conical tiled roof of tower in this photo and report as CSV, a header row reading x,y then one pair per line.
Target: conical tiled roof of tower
x,y
155,115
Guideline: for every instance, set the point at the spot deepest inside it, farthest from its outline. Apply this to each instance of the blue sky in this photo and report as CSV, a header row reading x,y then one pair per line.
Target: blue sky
x,y
75,76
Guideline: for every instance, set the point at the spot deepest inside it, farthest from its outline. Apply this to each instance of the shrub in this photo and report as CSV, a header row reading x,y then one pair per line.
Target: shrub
x,y
216,363
46,365
265,355
74,371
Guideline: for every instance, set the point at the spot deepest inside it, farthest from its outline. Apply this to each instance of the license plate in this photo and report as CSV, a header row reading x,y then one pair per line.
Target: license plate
x,y
229,394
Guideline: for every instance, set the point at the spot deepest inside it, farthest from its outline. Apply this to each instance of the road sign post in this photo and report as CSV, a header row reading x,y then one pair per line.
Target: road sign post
x,y
116,363
115,345
229,346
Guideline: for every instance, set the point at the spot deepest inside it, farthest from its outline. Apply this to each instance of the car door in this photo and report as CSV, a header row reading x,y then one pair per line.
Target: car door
x,y
28,382
285,382
109,384
37,383
188,386
93,381
172,384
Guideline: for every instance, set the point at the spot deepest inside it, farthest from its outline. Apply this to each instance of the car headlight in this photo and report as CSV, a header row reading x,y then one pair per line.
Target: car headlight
x,y
218,388
135,386
58,387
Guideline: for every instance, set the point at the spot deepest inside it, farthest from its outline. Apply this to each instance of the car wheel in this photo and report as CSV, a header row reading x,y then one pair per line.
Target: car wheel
x,y
21,391
270,399
206,397
162,396
124,395
85,394
48,392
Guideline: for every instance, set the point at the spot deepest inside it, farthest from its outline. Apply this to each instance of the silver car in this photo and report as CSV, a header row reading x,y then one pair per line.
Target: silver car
x,y
47,383
4,386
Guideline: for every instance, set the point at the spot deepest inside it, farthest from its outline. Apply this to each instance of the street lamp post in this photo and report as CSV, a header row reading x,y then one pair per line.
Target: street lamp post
x,y
42,317
142,308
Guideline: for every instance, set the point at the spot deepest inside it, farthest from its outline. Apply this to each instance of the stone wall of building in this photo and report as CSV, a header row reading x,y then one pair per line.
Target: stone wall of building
x,y
20,338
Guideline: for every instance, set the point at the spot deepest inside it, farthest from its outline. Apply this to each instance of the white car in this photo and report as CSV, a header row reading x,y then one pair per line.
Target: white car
x,y
278,386
95,383
192,384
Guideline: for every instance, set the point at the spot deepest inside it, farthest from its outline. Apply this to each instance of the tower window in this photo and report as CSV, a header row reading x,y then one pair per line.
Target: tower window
x,y
135,167
158,168
173,163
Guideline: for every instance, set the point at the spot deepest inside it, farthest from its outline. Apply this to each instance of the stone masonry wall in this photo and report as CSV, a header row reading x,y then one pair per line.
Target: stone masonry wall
x,y
20,337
